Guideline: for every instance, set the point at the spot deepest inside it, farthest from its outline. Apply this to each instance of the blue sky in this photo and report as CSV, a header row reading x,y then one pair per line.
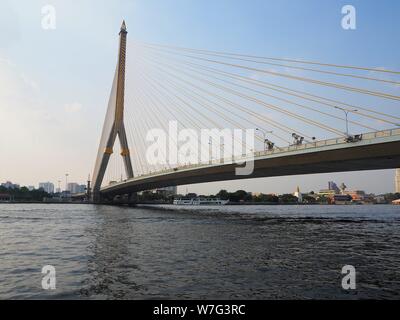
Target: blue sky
x,y
56,83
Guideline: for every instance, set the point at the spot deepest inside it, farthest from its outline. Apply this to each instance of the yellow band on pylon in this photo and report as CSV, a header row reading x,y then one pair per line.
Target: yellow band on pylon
x,y
109,151
125,152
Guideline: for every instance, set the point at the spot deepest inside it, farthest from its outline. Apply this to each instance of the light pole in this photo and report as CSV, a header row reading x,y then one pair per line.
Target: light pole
x,y
264,133
346,112
210,150
66,181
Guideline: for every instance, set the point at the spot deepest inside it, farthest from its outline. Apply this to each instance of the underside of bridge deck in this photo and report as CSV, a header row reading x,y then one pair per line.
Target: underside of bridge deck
x,y
361,157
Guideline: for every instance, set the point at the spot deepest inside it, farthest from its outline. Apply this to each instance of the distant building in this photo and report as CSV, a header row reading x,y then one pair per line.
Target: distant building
x,y
168,191
398,181
299,195
47,187
331,191
10,185
4,197
327,193
31,188
356,195
333,186
380,199
342,199
75,188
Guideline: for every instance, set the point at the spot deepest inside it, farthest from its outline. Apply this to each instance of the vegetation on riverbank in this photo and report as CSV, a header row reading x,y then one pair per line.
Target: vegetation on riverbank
x,y
24,194
243,197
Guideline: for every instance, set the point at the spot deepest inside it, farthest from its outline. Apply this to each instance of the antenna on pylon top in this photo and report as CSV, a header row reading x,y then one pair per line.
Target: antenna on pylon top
x,y
123,27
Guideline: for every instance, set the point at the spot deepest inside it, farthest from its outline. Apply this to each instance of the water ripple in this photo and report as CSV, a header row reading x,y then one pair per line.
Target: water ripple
x,y
251,252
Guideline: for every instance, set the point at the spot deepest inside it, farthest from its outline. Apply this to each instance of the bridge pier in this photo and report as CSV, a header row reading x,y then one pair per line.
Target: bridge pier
x,y
133,199
124,199
96,197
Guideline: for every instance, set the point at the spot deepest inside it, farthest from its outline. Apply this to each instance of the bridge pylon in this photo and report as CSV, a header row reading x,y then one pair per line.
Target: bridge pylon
x,y
114,123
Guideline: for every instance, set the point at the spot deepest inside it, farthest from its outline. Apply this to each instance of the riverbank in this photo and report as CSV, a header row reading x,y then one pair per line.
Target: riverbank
x,y
228,204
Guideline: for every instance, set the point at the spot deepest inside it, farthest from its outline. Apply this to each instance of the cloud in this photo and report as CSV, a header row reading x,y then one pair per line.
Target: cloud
x,y
73,107
17,89
40,138
29,82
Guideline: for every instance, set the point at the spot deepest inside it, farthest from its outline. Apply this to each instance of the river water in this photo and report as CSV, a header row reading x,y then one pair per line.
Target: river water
x,y
230,252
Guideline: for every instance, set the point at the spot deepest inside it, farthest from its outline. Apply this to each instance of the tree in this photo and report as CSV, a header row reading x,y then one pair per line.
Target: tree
x,y
223,194
240,196
23,194
309,199
288,198
266,198
392,196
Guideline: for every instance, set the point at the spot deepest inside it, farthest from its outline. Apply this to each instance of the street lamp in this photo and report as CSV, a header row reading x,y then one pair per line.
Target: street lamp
x,y
264,133
66,181
210,150
346,112
298,140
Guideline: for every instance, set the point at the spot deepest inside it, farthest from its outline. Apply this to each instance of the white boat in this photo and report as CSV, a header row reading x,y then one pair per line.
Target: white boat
x,y
200,202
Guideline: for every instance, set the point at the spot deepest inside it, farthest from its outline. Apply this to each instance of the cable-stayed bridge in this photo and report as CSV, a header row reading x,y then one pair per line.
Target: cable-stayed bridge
x,y
305,117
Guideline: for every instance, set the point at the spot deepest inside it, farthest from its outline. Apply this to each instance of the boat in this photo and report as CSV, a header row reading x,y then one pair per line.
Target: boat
x,y
200,202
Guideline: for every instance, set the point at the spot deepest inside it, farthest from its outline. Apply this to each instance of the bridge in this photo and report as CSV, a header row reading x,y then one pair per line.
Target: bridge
x,y
203,89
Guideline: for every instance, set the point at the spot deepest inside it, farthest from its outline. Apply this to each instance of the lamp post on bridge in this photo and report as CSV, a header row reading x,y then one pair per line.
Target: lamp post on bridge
x,y
210,150
264,133
346,112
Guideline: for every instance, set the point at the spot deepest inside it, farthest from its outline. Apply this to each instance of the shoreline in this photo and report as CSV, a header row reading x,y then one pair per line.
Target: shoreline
x,y
229,204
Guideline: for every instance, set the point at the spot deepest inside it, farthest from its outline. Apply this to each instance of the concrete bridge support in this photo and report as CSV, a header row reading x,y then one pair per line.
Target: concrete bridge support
x,y
117,128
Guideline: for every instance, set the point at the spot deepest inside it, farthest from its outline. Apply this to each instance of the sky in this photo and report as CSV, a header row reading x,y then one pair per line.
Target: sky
x,y
55,84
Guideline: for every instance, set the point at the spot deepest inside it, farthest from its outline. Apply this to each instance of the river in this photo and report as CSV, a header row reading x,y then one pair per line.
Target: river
x,y
169,252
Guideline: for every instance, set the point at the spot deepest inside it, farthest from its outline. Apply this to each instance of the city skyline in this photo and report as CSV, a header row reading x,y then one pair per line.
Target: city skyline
x,y
75,187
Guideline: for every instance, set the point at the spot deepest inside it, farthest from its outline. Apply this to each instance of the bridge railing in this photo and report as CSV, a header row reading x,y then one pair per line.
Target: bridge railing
x,y
278,150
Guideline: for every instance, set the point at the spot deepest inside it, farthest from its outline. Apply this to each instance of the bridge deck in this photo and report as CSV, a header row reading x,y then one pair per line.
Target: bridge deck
x,y
377,150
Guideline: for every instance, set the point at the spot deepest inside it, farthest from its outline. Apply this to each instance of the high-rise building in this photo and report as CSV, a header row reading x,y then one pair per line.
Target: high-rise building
x,y
398,181
74,188
333,186
47,187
